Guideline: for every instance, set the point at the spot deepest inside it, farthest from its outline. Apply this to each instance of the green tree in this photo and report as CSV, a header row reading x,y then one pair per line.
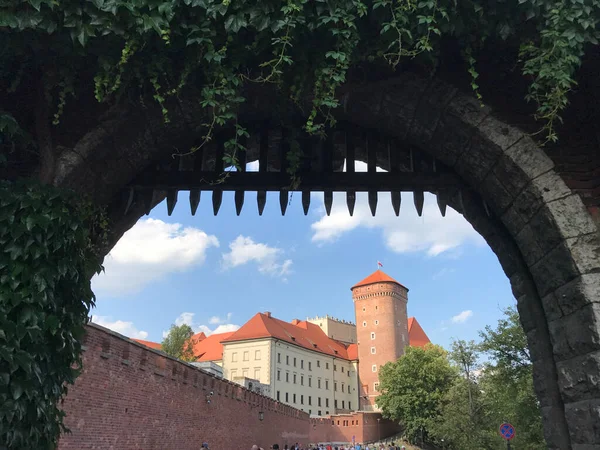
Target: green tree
x,y
507,382
413,387
465,355
179,343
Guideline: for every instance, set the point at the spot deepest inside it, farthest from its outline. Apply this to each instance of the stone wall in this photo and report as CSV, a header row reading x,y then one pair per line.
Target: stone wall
x,y
133,397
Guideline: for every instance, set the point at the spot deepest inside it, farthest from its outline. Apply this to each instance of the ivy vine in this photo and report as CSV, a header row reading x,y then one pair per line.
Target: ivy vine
x,y
157,47
46,262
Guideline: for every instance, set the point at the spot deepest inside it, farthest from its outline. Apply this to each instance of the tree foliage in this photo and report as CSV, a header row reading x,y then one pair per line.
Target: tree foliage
x,y
412,388
464,411
46,262
178,343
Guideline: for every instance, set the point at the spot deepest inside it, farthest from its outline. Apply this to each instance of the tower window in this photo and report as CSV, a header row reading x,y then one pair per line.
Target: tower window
x,y
374,367
364,309
377,322
376,386
373,350
365,323
372,335
376,308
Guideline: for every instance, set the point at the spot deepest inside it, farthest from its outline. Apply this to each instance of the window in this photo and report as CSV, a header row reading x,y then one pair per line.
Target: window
x,y
279,358
234,357
309,382
377,322
327,402
319,401
342,369
365,323
302,380
372,350
372,335
327,365
364,309
294,362
294,398
257,355
277,395
287,359
302,399
279,375
376,308
335,367
287,377
233,374
246,356
302,364
335,404
326,384
327,413
309,400
318,363
319,413
294,378
319,383
342,387
374,367
245,372
257,374
350,406
348,389
309,365
376,386
335,387
287,397
343,404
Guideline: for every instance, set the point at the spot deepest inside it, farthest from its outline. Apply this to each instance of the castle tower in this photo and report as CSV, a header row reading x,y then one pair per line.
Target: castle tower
x,y
381,328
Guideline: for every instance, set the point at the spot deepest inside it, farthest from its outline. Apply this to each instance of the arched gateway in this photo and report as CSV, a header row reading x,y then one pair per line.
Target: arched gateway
x,y
429,137
545,239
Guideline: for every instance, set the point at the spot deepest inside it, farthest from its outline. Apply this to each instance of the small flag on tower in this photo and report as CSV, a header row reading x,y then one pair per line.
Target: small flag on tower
x,y
379,264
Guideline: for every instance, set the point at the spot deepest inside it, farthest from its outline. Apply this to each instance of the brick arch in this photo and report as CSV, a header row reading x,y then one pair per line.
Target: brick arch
x,y
547,243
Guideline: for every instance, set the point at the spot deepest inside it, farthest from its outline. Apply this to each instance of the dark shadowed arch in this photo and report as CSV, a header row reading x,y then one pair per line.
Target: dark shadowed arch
x,y
546,241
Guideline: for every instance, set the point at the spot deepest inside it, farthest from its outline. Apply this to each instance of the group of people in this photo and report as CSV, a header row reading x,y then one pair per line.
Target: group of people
x,y
297,446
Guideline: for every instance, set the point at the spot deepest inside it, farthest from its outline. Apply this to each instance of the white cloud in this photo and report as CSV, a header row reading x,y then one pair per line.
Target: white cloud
x,y
268,259
120,326
462,317
188,319
431,233
150,251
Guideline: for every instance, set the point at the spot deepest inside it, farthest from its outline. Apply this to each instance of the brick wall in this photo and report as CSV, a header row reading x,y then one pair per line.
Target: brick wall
x,y
364,427
132,397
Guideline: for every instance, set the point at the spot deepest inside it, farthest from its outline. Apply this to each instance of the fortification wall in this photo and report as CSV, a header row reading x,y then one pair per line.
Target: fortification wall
x,y
132,397
363,427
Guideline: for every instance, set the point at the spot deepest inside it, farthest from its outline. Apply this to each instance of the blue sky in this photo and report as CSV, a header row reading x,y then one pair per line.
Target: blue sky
x,y
214,273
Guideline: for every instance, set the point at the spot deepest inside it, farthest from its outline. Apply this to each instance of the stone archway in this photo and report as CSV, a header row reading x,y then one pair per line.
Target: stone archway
x,y
546,241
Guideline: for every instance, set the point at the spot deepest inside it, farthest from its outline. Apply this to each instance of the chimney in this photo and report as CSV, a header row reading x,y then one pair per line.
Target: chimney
x,y
295,322
267,313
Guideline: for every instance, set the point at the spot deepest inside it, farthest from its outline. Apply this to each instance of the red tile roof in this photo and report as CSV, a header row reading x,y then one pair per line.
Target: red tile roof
x,y
353,352
300,333
209,348
154,345
377,277
416,335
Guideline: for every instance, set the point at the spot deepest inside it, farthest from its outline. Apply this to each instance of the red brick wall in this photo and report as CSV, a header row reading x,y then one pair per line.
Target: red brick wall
x,y
342,428
131,397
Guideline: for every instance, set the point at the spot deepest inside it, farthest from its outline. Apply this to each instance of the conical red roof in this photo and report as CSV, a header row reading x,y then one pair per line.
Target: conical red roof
x,y
416,335
377,277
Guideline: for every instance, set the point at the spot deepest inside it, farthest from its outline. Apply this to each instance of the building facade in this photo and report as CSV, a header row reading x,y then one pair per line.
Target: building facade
x,y
322,366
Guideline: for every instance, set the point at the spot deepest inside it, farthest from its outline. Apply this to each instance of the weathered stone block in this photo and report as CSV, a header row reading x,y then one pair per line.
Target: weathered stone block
x,y
499,133
552,307
577,333
571,216
551,186
507,252
586,252
528,202
578,293
529,158
513,221
495,194
555,430
583,419
579,377
554,270
544,229
527,240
